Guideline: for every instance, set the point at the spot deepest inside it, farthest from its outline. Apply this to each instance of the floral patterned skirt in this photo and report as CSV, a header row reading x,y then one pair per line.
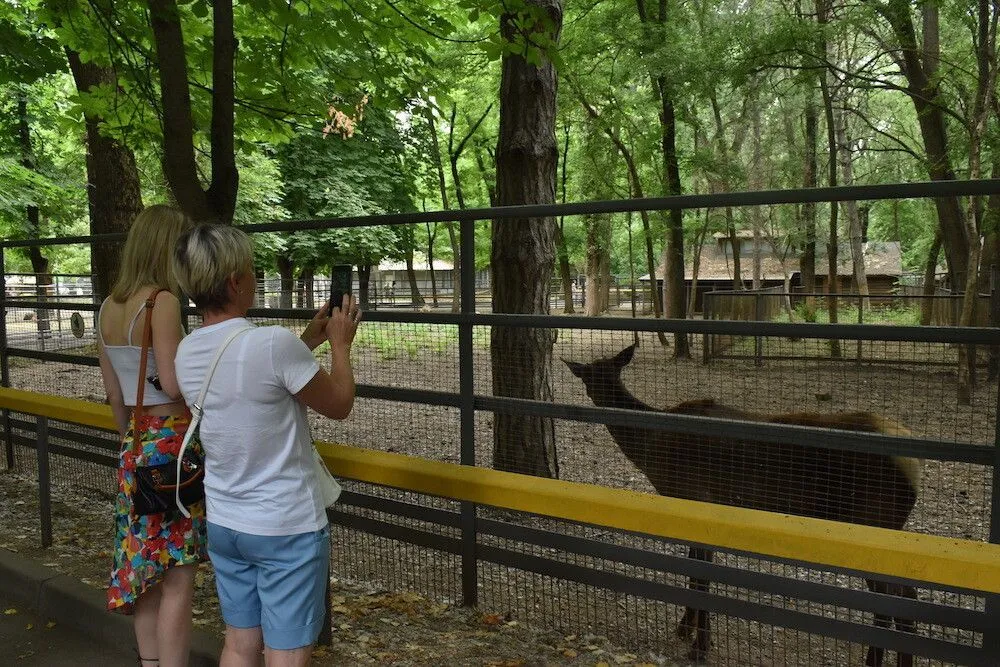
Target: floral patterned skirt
x,y
147,546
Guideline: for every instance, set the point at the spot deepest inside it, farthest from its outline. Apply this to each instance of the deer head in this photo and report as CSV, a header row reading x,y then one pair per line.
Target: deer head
x,y
602,378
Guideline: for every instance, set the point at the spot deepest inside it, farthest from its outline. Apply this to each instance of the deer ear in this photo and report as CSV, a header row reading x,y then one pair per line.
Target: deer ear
x,y
625,356
574,367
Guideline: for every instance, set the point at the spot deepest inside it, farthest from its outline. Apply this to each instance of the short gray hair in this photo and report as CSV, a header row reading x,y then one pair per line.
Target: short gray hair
x,y
205,257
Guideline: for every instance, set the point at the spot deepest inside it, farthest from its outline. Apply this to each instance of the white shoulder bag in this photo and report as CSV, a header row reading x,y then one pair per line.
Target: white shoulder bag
x,y
328,486
198,409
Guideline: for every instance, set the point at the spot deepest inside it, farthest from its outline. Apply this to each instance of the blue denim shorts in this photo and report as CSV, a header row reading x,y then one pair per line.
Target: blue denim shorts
x,y
275,582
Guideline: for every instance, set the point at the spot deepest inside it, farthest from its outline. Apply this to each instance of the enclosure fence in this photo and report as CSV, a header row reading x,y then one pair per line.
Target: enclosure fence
x,y
428,506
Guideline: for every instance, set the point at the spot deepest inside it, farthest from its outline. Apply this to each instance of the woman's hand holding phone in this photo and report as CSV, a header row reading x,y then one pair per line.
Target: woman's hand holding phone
x,y
342,325
315,333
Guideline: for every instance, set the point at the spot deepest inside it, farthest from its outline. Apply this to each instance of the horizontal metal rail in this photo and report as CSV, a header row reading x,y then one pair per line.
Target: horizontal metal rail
x,y
936,560
872,332
918,190
680,595
693,425
763,582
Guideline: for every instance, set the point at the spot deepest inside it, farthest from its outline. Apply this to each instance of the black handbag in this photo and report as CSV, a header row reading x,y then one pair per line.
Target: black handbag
x,y
157,487
167,486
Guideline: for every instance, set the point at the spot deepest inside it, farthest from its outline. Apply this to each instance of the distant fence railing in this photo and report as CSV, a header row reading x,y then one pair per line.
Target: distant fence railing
x,y
942,309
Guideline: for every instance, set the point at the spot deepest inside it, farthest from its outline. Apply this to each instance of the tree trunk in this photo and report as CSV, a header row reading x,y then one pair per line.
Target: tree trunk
x,y
598,264
985,58
217,203
456,271
596,225
756,183
307,276
699,242
260,278
923,90
635,191
364,281
39,263
430,261
491,185
673,253
930,279
286,271
450,226
854,224
807,261
563,252
523,252
415,297
822,15
114,196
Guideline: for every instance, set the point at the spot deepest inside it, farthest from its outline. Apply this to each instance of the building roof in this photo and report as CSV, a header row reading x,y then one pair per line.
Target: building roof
x,y
882,258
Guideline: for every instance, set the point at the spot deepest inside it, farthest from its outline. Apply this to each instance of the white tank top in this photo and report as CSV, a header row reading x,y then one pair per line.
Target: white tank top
x,y
125,360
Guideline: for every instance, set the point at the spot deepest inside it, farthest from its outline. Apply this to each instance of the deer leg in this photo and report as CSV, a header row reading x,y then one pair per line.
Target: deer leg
x,y
876,653
698,620
904,624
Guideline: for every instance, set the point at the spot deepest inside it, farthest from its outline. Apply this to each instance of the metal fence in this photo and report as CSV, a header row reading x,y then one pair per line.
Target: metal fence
x,y
426,389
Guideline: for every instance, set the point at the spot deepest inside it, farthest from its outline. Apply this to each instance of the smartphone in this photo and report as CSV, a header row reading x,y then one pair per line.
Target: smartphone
x,y
340,284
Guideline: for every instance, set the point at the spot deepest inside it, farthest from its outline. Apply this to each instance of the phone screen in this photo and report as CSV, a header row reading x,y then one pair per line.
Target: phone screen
x,y
340,284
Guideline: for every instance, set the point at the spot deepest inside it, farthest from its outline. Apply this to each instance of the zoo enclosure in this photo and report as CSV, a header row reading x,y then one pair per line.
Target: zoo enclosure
x,y
578,562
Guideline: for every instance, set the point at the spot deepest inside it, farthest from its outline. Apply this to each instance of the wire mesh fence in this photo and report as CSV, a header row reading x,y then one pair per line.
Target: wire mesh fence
x,y
774,421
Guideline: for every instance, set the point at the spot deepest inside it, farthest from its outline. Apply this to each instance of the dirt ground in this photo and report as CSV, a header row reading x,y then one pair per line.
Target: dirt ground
x,y
517,606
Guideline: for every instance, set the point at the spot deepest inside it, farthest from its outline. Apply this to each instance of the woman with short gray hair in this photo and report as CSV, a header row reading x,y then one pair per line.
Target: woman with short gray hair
x,y
267,528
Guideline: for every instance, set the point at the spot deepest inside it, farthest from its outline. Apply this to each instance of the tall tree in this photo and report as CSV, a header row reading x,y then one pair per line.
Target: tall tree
x,y
217,202
917,64
523,249
114,195
653,25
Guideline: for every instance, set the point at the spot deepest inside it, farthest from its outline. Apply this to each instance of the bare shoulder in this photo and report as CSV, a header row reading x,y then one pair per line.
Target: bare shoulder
x,y
166,297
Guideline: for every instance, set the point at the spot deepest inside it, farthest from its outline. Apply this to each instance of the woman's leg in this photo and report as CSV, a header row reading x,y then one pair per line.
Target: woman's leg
x,y
242,648
145,620
174,623
296,657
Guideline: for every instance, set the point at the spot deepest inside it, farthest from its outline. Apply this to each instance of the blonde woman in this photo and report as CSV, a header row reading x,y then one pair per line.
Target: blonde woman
x,y
267,527
155,556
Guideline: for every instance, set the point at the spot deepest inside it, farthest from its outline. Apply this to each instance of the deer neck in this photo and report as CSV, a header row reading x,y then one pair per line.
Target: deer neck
x,y
635,442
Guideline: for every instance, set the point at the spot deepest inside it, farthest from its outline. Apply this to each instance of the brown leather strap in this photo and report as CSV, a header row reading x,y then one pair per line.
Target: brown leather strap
x,y
147,342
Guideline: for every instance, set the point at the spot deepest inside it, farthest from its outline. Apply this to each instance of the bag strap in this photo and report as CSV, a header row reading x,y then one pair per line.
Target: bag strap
x,y
198,409
147,343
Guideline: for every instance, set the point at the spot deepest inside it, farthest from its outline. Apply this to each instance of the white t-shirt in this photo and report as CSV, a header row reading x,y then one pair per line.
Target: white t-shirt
x,y
258,450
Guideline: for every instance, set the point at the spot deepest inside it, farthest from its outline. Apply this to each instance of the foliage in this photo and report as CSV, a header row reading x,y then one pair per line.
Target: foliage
x,y
738,72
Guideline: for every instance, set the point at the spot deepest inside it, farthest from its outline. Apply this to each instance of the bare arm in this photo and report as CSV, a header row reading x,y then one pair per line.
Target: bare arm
x,y
332,394
166,338
113,391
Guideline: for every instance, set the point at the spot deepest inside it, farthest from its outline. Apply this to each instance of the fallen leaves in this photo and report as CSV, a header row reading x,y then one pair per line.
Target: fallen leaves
x,y
9,612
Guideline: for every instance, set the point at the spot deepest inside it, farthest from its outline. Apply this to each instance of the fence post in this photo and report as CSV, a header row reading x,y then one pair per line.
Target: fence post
x,y
991,636
4,360
758,343
44,481
467,417
861,320
706,338
994,351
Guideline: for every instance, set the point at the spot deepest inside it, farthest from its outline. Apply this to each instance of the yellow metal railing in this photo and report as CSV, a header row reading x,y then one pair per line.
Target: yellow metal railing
x,y
928,558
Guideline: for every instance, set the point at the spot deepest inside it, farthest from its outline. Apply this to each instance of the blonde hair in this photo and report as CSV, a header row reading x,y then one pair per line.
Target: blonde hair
x,y
146,258
205,257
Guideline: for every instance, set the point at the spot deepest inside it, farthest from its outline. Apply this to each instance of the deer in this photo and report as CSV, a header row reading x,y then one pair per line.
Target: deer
x,y
855,487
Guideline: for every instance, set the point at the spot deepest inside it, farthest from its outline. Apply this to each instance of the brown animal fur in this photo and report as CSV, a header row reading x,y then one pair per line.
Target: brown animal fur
x,y
855,487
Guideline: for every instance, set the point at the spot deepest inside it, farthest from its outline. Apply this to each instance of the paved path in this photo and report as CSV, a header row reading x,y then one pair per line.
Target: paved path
x,y
56,646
